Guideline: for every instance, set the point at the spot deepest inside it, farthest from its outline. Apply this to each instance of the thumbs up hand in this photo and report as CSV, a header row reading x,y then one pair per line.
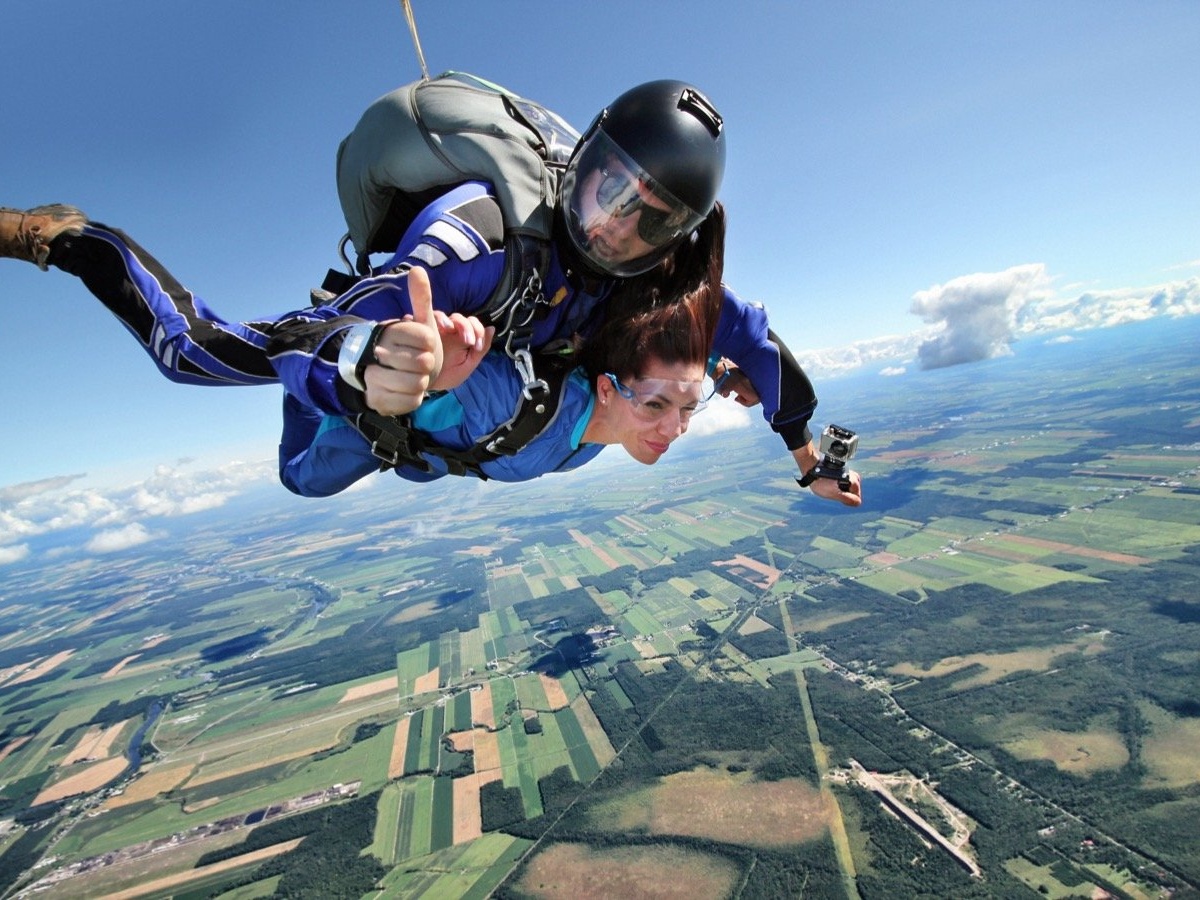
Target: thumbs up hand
x,y
409,354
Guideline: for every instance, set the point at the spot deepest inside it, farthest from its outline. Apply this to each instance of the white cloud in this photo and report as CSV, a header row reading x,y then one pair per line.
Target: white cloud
x,y
78,508
13,553
839,360
893,371
174,491
120,539
14,527
117,514
1190,264
720,415
1104,309
14,493
365,484
977,313
1004,307
202,502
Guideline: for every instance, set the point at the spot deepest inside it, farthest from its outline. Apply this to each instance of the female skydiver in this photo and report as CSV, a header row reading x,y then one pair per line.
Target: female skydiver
x,y
638,383
652,351
641,182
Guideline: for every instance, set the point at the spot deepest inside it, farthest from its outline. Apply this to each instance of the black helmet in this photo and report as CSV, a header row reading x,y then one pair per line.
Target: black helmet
x,y
659,151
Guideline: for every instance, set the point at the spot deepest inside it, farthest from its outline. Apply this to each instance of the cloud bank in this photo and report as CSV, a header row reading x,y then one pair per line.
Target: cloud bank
x,y
112,520
977,313
1104,309
14,493
979,316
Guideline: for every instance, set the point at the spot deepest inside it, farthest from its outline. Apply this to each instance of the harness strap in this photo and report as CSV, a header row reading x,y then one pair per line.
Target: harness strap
x,y
515,306
395,442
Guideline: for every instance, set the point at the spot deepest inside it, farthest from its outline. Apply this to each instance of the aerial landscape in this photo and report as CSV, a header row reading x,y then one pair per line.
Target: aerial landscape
x,y
692,677
689,680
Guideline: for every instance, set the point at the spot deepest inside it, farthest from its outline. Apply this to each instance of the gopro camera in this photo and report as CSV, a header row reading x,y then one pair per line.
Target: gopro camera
x,y
837,447
838,444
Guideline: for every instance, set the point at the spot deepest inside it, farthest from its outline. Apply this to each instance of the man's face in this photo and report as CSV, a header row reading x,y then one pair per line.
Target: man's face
x,y
612,206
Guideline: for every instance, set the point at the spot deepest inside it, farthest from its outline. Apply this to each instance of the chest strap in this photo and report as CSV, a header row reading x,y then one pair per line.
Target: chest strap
x,y
395,442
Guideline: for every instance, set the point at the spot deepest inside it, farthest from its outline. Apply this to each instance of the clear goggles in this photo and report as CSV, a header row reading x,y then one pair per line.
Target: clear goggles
x,y
654,398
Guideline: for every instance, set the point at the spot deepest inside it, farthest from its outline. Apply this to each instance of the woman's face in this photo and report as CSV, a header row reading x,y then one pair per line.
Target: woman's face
x,y
646,414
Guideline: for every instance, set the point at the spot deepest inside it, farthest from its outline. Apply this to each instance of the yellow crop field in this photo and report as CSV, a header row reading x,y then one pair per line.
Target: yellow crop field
x,y
93,777
713,803
575,870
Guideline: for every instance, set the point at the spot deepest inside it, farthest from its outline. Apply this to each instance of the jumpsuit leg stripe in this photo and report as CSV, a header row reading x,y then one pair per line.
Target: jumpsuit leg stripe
x,y
188,342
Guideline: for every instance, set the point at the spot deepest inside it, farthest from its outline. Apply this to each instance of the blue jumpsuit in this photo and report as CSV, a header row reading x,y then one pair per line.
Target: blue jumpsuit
x,y
458,240
322,454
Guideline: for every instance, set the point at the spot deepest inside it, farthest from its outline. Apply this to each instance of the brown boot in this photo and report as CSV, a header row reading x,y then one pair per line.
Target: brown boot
x,y
26,234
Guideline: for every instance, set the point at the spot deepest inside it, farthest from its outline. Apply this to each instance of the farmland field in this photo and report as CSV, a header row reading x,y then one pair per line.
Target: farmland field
x,y
572,870
605,684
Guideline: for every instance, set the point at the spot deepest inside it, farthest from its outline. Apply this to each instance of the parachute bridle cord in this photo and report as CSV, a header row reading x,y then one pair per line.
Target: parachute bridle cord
x,y
412,28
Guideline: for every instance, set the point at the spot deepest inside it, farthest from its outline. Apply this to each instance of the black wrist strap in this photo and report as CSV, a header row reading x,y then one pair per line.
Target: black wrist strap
x,y
809,477
838,473
367,357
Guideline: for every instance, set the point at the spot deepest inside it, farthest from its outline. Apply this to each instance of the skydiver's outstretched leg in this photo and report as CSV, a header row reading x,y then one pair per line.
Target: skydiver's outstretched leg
x,y
188,342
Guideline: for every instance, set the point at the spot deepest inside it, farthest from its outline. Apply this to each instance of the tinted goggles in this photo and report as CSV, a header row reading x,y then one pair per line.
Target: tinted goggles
x,y
618,195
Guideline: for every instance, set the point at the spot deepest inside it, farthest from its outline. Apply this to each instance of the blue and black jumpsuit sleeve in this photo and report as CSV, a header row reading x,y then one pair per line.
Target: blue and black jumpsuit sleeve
x,y
786,395
458,240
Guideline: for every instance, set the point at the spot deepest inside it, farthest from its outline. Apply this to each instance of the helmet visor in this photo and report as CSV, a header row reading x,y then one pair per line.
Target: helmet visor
x,y
618,216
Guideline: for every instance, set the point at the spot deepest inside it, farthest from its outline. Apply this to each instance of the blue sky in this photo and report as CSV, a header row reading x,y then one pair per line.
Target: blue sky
x,y
879,153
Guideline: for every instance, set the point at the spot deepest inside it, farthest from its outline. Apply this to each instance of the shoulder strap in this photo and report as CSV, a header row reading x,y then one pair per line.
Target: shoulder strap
x,y
428,136
416,142
395,442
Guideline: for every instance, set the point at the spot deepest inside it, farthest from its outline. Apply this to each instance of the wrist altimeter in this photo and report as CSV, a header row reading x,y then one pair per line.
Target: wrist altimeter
x,y
358,351
837,447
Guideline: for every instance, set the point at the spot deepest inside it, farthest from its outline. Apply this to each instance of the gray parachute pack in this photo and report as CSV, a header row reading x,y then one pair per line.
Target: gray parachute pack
x,y
414,144
418,141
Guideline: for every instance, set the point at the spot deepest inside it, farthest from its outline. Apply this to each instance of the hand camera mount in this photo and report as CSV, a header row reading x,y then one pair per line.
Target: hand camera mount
x,y
837,447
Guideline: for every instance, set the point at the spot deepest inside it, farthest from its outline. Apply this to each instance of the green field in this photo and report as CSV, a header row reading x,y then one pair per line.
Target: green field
x,y
1011,617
